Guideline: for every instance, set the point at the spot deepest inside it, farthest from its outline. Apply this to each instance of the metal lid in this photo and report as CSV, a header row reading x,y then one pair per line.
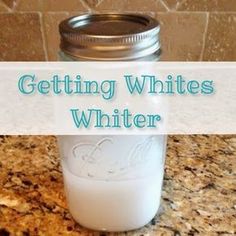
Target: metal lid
x,y
110,36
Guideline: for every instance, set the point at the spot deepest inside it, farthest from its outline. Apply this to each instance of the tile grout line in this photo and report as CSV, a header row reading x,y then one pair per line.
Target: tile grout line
x,y
86,6
204,37
99,3
6,7
43,35
164,4
15,4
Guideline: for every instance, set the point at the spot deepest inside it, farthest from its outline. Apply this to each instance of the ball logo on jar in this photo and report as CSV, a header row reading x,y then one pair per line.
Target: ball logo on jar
x,y
91,155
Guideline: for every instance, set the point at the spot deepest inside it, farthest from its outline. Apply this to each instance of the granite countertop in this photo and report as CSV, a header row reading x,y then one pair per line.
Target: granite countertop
x,y
199,193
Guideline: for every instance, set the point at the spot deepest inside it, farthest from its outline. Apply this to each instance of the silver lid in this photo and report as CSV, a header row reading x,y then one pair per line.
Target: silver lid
x,y
110,36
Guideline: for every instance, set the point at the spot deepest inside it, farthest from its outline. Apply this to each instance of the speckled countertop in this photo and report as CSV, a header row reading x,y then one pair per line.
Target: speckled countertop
x,y
199,194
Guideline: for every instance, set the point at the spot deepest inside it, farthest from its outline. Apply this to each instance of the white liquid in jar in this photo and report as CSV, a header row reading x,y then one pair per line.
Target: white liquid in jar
x,y
113,205
115,196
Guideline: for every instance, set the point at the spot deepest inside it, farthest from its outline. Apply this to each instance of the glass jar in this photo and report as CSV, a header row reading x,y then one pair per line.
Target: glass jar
x,y
112,182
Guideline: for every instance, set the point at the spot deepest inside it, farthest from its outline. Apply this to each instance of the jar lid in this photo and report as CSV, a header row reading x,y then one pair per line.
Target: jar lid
x,y
110,36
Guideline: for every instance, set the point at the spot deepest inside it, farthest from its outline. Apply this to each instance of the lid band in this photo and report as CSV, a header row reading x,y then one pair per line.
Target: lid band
x,y
110,36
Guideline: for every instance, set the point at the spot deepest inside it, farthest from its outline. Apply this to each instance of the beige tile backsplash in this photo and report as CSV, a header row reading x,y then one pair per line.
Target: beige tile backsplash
x,y
3,7
179,41
208,5
172,4
221,37
190,30
50,25
21,37
10,3
131,5
49,5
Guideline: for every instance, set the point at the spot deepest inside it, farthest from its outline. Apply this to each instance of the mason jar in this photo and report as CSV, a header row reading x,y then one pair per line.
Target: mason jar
x,y
112,182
